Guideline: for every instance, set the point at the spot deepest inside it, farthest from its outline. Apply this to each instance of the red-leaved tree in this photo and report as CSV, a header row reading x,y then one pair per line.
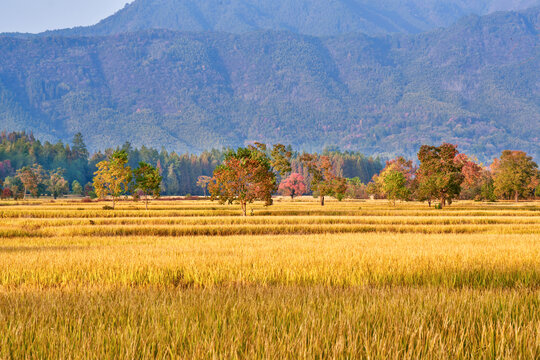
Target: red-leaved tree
x,y
292,186
244,177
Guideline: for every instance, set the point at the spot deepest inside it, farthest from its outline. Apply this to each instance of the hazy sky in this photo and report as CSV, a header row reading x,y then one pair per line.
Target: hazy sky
x,y
40,15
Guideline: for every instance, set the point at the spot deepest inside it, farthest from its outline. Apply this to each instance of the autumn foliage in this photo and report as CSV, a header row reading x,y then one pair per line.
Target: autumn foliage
x,y
325,181
244,177
293,186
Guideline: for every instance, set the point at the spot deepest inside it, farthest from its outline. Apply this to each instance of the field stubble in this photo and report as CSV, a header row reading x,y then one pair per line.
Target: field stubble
x,y
192,279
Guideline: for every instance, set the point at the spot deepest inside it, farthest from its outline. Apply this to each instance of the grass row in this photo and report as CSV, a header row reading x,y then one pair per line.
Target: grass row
x,y
276,323
450,261
258,229
261,220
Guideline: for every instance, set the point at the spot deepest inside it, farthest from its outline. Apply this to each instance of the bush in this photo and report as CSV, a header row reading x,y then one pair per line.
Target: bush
x,y
107,207
6,193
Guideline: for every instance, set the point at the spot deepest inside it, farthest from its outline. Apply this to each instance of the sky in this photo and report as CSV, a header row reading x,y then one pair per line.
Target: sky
x,y
39,15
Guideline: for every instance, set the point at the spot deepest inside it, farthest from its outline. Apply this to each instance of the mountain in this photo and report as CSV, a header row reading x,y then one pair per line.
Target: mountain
x,y
312,17
476,84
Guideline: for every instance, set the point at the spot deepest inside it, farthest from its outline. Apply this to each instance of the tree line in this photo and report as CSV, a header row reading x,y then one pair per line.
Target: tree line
x,y
252,173
256,172
443,175
59,169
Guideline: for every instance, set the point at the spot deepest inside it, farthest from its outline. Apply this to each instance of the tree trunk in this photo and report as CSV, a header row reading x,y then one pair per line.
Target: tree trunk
x,y
113,202
146,202
517,196
322,200
429,203
244,208
443,202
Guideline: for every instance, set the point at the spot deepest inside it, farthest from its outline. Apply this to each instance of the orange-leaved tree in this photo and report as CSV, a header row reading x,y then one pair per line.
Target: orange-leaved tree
x,y
31,178
244,176
439,175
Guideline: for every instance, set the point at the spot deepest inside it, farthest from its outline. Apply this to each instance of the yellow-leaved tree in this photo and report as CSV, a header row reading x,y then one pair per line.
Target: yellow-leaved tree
x,y
113,176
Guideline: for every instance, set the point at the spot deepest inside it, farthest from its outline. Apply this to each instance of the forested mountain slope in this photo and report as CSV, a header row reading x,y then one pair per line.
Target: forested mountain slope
x,y
312,17
476,84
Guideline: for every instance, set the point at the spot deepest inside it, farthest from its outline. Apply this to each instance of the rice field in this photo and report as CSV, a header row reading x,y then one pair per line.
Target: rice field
x,y
193,279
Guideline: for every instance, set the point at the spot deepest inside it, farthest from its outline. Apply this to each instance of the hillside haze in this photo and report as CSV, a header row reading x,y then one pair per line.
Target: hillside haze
x,y
312,17
475,84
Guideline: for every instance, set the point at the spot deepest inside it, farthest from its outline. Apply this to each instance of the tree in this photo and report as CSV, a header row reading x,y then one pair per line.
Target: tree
x,y
202,182
244,177
113,176
31,178
474,178
374,189
281,159
76,188
79,147
89,190
173,183
394,185
56,184
356,189
513,173
439,175
148,181
487,190
293,186
325,181
395,181
15,186
6,193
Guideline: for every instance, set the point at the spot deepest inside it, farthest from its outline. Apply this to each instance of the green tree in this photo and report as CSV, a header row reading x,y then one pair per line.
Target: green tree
x,y
76,188
113,176
394,185
396,179
439,175
173,183
148,181
56,184
281,159
487,190
513,173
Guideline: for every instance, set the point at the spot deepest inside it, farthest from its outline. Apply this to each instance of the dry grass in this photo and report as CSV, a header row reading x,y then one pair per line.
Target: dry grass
x,y
194,280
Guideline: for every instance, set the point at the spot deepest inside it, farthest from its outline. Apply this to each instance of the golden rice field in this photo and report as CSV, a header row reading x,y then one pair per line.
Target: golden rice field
x,y
193,279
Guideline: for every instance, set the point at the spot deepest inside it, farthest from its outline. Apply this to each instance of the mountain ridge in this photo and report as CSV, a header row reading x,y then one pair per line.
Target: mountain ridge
x,y
313,17
476,84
